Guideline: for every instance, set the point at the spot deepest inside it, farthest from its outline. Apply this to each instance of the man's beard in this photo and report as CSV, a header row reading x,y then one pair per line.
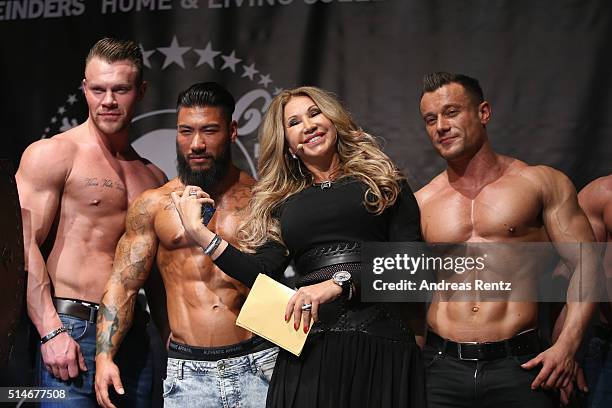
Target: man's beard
x,y
205,179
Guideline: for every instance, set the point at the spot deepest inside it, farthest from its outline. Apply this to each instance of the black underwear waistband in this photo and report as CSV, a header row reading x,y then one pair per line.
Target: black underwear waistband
x,y
186,352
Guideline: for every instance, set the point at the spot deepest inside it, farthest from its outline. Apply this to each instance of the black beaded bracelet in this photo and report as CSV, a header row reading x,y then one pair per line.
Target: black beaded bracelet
x,y
51,335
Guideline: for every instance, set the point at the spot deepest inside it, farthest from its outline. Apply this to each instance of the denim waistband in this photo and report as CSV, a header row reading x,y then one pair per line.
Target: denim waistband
x,y
227,366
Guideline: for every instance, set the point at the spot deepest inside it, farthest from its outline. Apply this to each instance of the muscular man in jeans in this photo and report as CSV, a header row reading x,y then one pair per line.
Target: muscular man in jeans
x,y
211,361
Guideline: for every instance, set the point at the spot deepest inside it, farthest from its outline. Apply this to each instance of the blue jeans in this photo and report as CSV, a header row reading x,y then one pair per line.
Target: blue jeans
x,y
227,383
598,372
134,360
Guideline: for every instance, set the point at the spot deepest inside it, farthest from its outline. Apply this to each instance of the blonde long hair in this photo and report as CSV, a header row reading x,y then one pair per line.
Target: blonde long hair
x,y
280,177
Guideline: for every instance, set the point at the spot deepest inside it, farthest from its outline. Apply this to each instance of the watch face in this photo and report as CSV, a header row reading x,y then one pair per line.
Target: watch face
x,y
342,276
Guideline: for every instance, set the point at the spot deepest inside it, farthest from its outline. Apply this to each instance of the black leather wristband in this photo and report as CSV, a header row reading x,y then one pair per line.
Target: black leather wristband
x,y
51,335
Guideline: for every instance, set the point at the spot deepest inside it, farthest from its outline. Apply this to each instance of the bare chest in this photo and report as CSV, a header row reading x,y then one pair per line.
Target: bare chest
x,y
499,212
102,188
171,233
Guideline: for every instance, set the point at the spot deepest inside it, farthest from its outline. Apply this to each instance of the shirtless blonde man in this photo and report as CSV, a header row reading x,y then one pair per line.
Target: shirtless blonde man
x,y
211,361
488,354
74,190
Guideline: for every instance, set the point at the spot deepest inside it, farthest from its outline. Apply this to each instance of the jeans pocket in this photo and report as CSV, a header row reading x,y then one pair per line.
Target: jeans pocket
x,y
520,360
430,356
265,365
75,327
168,383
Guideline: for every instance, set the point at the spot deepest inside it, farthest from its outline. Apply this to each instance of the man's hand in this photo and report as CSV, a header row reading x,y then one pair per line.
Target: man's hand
x,y
188,204
107,373
62,357
558,368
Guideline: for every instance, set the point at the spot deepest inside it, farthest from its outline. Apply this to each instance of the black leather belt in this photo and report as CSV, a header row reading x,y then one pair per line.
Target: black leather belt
x,y
77,308
525,343
327,255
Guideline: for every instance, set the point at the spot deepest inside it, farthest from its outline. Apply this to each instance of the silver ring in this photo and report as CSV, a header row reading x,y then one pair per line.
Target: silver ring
x,y
307,306
193,193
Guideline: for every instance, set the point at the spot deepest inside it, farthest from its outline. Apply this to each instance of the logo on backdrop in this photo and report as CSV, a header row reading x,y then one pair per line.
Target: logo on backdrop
x,y
154,132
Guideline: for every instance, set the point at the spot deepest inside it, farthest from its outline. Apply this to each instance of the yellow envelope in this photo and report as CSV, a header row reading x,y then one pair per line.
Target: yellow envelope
x,y
263,313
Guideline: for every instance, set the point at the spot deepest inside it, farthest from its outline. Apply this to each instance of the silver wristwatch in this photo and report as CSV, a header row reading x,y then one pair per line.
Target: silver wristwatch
x,y
344,279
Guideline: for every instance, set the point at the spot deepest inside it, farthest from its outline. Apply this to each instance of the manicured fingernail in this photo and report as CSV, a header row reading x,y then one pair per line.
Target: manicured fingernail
x,y
306,329
121,391
295,326
286,319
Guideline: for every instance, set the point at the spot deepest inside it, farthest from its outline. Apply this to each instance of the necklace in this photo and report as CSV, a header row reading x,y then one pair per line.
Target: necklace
x,y
323,185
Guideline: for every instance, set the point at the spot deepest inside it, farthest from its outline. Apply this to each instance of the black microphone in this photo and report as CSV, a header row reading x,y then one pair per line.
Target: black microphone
x,y
207,213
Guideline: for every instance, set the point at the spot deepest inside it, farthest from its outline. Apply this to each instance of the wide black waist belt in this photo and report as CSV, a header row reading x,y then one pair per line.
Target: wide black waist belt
x,y
525,343
327,255
77,308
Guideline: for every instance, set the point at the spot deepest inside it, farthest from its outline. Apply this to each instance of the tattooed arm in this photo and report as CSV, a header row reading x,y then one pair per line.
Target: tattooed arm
x,y
133,260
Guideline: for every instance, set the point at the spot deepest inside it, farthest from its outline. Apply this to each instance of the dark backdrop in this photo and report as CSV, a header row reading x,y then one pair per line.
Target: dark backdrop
x,y
544,66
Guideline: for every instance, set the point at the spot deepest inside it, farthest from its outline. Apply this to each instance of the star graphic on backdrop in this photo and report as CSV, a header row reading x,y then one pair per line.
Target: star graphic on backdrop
x,y
174,53
230,61
277,91
61,110
53,119
265,80
249,71
145,56
207,56
47,130
72,99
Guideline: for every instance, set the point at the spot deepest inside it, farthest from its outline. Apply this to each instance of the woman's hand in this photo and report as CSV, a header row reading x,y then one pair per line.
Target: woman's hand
x,y
188,204
313,295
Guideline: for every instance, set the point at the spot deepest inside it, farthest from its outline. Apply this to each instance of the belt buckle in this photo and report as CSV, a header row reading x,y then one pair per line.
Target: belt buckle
x,y
460,352
93,311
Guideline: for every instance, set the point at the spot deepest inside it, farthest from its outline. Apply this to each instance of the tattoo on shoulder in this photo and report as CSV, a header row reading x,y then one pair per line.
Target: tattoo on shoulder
x,y
139,218
169,206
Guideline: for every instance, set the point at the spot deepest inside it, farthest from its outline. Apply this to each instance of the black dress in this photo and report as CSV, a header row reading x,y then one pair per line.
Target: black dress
x,y
358,354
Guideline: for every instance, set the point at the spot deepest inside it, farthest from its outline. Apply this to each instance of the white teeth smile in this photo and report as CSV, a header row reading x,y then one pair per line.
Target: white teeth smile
x,y
314,139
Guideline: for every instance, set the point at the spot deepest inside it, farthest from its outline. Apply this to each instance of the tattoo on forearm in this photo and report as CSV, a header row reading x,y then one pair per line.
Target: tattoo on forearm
x,y
113,323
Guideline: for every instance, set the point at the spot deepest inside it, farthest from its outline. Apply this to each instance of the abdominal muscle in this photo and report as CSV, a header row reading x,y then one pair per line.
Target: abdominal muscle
x,y
81,259
481,322
203,302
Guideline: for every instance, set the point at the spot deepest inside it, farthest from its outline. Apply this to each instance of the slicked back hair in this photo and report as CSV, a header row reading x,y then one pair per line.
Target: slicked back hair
x,y
208,94
112,50
437,80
